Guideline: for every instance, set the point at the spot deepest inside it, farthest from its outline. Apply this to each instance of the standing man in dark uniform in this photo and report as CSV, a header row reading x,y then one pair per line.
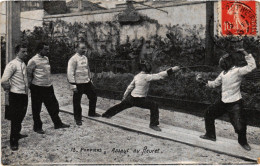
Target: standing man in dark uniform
x,y
39,77
14,82
80,77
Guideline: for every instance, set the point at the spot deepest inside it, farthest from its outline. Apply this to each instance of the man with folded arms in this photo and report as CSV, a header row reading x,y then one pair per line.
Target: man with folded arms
x,y
14,81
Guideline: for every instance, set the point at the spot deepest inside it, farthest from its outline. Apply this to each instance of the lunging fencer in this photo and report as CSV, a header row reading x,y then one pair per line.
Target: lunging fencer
x,y
230,79
14,81
40,83
79,76
136,94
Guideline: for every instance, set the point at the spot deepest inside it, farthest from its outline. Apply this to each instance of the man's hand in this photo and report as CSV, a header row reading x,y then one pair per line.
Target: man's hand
x,y
176,68
199,77
200,80
29,85
75,90
6,86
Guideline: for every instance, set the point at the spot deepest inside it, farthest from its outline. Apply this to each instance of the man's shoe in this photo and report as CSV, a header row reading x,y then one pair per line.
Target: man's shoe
x,y
14,144
246,147
156,128
14,147
40,131
208,137
61,126
95,115
22,136
106,116
78,122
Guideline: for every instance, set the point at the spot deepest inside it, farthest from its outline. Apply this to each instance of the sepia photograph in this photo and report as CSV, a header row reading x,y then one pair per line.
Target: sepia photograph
x,y
130,82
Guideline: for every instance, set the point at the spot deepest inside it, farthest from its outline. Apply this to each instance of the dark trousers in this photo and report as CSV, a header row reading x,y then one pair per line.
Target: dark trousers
x,y
17,109
131,101
236,115
89,90
39,95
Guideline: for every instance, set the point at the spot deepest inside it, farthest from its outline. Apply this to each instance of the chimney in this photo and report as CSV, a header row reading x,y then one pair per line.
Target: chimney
x,y
80,7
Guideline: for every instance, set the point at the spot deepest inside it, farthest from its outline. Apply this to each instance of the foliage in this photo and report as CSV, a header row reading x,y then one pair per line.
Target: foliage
x,y
60,52
103,38
115,62
103,41
228,45
181,86
112,81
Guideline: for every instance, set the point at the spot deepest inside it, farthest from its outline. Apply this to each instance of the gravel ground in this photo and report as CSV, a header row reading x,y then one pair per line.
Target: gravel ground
x,y
97,143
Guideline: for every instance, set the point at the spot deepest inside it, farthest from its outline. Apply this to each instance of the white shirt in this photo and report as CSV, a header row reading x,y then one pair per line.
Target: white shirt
x,y
140,85
39,71
15,74
78,69
231,80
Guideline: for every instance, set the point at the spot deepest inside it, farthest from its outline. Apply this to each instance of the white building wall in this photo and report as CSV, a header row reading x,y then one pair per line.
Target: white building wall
x,y
186,15
30,19
2,18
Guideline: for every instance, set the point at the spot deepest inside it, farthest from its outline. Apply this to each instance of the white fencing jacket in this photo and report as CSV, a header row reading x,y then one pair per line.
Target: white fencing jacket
x,y
78,71
15,74
140,85
231,81
39,71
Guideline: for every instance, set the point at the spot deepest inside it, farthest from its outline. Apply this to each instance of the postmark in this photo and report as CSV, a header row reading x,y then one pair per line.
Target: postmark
x,y
238,18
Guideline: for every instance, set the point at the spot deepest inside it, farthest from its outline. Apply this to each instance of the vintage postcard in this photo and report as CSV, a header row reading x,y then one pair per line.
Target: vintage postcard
x,y
130,82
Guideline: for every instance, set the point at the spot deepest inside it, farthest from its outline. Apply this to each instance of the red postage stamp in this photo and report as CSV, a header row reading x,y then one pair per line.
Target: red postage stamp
x,y
238,18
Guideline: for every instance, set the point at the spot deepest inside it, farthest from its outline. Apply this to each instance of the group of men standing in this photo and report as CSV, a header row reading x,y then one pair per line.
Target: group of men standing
x,y
36,76
18,78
